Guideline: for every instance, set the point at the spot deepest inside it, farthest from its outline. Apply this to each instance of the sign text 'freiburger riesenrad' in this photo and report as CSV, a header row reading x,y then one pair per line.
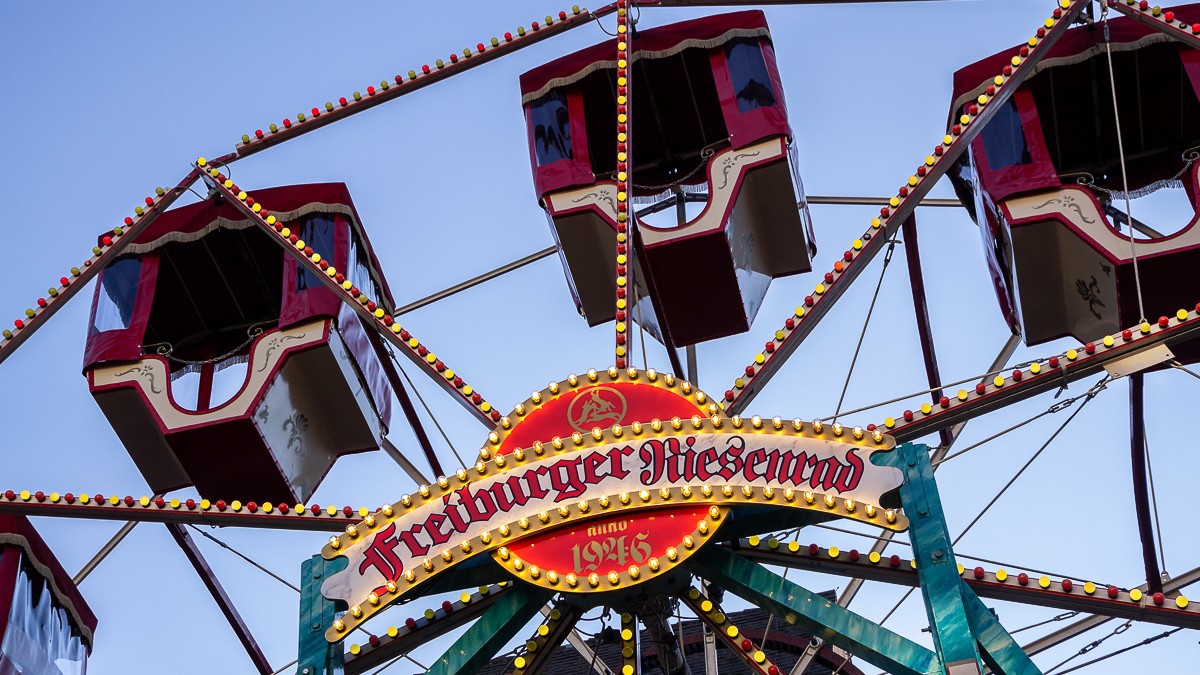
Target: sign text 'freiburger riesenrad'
x,y
699,461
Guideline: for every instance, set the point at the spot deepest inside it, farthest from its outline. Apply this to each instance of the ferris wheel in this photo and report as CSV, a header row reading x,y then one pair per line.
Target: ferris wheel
x,y
627,499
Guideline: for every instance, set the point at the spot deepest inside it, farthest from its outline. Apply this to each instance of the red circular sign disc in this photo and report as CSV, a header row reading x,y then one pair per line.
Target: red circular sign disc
x,y
606,544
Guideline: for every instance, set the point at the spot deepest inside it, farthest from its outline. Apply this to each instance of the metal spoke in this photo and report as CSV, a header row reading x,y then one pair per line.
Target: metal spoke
x,y
1008,585
491,631
1113,352
147,510
899,209
1159,20
399,641
560,622
373,316
1079,627
710,614
224,603
631,646
102,255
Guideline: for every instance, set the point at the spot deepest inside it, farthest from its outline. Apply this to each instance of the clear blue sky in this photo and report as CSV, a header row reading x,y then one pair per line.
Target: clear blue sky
x,y
105,101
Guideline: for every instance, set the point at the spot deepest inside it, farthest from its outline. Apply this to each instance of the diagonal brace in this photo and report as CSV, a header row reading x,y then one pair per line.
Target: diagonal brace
x,y
372,315
1163,21
900,208
102,255
491,632
224,603
836,625
1001,653
541,648
941,584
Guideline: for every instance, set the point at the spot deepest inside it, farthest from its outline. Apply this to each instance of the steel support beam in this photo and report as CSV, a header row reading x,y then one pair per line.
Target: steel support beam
x,y
186,513
1057,372
998,585
423,629
105,550
495,627
419,80
631,645
475,281
1087,623
1002,358
103,553
756,375
406,404
716,621
102,256
401,461
315,655
560,620
838,626
912,254
937,570
876,201
1001,653
1141,492
188,546
1163,21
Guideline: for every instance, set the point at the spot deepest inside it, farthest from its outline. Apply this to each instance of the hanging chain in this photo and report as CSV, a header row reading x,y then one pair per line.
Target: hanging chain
x,y
166,349
705,153
1189,158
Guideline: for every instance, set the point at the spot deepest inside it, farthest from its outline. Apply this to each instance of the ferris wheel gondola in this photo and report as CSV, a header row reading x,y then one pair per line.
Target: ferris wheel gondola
x,y
203,291
617,488
712,125
1046,181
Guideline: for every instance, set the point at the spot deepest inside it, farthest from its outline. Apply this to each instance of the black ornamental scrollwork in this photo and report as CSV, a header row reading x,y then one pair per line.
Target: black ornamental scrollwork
x,y
1091,294
599,196
1067,202
275,343
730,163
146,372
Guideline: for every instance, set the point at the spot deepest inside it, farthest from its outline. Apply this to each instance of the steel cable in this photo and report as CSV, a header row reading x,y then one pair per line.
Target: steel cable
x,y
887,260
1091,394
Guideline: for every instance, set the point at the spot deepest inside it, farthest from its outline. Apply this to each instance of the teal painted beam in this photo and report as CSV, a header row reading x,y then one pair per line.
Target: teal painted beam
x,y
937,570
317,656
839,626
1001,653
488,635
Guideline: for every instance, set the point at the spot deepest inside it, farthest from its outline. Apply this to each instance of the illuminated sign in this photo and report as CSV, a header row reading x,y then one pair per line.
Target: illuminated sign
x,y
616,505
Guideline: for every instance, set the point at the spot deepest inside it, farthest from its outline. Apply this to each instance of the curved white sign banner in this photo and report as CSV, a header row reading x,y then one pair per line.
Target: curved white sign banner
x,y
767,459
